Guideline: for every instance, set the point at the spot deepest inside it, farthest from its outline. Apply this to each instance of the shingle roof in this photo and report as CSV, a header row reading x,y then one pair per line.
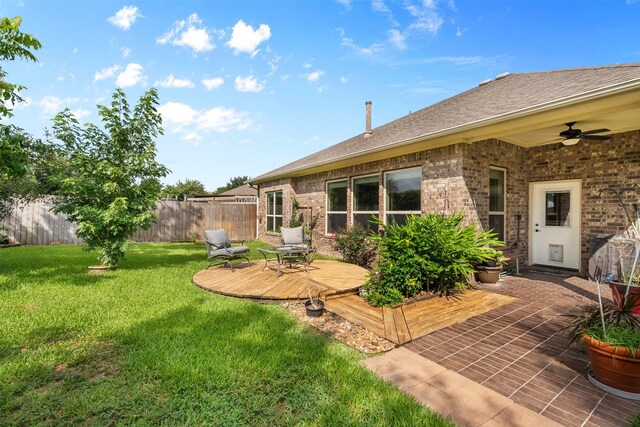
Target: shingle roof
x,y
505,95
243,190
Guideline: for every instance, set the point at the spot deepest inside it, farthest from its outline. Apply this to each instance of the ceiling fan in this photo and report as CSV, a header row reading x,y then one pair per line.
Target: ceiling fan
x,y
572,136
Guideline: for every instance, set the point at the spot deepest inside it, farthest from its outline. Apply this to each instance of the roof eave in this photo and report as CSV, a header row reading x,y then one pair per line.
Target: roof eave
x,y
512,115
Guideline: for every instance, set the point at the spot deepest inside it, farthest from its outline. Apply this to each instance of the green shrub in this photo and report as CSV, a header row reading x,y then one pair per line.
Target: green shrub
x,y
433,252
355,246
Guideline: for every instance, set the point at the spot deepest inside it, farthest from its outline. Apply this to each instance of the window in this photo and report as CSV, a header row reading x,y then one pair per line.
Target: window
x,y
274,211
402,194
336,205
365,200
497,192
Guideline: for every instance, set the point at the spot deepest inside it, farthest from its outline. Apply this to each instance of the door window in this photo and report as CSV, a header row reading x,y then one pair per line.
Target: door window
x,y
557,209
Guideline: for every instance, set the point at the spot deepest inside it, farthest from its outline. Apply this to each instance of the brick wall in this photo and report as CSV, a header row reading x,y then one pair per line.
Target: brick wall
x,y
456,177
599,164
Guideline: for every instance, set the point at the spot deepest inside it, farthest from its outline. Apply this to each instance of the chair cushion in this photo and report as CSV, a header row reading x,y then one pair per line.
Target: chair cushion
x,y
217,238
229,252
236,250
292,236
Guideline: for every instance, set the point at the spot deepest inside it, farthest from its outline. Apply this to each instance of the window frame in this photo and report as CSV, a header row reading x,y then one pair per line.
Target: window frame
x,y
387,212
326,207
274,215
353,198
503,212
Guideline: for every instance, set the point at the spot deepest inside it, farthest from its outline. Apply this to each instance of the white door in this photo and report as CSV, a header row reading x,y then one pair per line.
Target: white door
x,y
555,223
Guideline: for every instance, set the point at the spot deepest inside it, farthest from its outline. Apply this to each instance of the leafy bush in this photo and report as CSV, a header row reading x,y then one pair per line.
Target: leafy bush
x,y
433,252
355,246
113,189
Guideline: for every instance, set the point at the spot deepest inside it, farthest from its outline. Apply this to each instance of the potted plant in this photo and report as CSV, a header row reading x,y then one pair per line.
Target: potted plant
x,y
489,271
611,335
611,331
314,307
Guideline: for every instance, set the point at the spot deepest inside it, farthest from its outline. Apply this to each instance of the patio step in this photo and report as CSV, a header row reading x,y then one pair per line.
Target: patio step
x,y
338,293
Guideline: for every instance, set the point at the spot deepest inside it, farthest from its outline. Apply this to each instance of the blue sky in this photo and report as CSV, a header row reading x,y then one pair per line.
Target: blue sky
x,y
247,86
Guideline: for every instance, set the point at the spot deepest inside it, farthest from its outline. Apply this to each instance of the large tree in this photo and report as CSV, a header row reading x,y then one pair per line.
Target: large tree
x,y
190,187
114,183
13,44
38,162
234,182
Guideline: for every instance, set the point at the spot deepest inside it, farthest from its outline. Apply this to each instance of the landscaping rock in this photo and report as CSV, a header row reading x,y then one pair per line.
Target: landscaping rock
x,y
349,333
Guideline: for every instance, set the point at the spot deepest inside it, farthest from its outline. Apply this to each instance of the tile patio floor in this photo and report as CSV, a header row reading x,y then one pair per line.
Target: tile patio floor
x,y
519,351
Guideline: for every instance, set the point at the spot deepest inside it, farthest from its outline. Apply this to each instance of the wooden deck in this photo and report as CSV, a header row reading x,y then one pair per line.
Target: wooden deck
x,y
328,278
407,322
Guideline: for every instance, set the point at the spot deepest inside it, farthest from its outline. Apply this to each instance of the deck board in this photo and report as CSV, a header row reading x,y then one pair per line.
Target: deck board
x,y
411,321
337,283
251,281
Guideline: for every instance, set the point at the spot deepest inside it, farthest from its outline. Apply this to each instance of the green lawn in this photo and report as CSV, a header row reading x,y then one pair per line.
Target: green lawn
x,y
142,345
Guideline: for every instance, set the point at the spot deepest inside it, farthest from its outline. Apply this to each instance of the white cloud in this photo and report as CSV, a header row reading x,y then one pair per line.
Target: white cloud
x,y
75,50
397,39
306,65
125,52
220,119
189,33
379,6
60,78
80,113
213,83
245,39
362,51
171,81
131,76
193,123
53,104
426,16
273,63
176,113
315,76
345,3
248,84
191,136
343,79
125,17
105,73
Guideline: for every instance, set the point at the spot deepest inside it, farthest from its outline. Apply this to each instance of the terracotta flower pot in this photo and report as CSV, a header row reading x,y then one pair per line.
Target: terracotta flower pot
x,y
489,274
619,289
614,366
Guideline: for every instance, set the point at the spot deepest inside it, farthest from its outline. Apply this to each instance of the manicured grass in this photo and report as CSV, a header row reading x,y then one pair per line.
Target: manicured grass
x,y
142,345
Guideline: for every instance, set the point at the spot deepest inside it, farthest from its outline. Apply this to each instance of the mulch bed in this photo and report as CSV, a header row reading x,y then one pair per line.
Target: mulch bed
x,y
349,333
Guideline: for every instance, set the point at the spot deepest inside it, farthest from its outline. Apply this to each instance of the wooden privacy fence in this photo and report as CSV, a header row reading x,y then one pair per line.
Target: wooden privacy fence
x,y
180,221
35,224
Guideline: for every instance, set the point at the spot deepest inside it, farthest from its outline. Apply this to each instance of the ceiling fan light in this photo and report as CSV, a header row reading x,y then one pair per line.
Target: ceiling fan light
x,y
570,141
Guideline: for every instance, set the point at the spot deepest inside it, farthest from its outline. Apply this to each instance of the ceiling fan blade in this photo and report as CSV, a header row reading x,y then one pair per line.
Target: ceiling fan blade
x,y
589,132
595,137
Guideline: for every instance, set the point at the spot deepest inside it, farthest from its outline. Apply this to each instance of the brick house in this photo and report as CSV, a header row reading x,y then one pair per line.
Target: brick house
x,y
494,152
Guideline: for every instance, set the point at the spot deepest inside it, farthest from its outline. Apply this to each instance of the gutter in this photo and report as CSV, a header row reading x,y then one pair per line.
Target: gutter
x,y
539,108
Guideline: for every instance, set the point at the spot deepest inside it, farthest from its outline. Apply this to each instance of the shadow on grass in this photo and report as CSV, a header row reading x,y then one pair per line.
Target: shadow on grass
x,y
215,361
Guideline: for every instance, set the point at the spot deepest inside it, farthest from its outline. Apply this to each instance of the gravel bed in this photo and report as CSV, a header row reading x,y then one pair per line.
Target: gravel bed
x,y
349,333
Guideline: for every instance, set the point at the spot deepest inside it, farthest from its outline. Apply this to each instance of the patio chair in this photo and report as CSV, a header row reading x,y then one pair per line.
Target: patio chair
x,y
295,237
220,251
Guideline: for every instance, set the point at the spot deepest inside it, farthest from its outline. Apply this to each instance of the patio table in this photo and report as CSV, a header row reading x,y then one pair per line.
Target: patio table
x,y
286,255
